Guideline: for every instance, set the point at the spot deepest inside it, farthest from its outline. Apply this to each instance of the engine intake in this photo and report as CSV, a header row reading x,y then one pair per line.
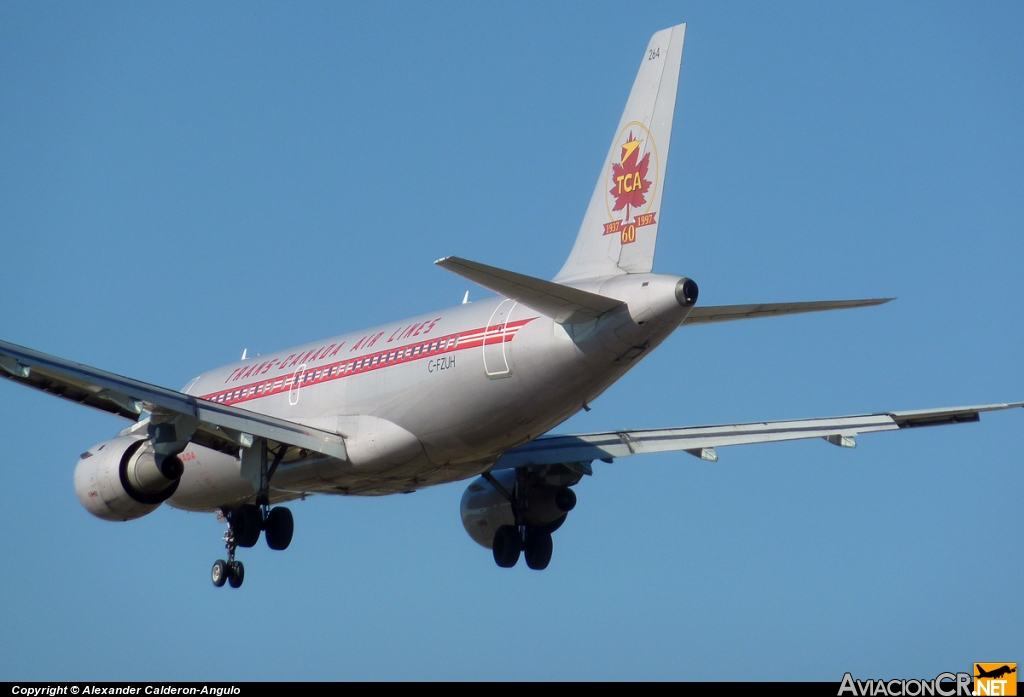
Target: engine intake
x,y
119,479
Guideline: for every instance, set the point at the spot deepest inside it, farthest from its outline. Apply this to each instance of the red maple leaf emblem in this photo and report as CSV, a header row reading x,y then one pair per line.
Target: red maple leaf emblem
x,y
629,177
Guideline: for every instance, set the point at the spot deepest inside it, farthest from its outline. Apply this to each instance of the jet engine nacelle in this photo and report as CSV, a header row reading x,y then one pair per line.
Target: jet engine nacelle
x,y
119,479
484,509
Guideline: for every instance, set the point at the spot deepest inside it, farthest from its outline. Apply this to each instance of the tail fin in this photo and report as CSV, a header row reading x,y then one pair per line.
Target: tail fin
x,y
620,228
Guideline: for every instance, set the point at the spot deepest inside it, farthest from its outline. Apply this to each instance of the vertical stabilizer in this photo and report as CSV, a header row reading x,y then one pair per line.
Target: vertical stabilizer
x,y
620,228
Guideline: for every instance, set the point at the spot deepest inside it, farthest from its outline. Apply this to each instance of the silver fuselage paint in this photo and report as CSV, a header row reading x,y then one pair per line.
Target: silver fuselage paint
x,y
430,399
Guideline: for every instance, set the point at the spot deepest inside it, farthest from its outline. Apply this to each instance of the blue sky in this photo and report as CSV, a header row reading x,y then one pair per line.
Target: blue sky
x,y
182,181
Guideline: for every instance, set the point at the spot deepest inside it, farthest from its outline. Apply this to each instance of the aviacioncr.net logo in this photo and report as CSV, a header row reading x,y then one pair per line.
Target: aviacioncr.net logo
x,y
943,685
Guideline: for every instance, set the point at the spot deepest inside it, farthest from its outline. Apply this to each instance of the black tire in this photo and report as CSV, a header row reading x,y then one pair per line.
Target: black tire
x,y
565,499
219,572
506,546
538,549
246,523
236,574
279,528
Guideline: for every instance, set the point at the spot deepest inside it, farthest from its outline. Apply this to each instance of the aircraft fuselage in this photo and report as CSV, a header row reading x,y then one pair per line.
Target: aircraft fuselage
x,y
429,399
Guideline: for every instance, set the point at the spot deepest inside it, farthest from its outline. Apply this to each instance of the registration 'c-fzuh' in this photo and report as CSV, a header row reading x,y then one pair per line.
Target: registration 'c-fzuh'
x,y
357,414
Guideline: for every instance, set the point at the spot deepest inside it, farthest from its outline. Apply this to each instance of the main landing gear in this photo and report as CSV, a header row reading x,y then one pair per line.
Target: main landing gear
x,y
246,522
534,543
538,509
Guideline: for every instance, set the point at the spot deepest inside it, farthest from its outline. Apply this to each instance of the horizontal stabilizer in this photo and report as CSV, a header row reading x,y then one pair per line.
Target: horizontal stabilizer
x,y
566,305
728,313
702,440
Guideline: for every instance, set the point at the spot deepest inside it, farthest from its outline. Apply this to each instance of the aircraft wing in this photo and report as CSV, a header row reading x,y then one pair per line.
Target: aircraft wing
x,y
701,441
727,313
221,427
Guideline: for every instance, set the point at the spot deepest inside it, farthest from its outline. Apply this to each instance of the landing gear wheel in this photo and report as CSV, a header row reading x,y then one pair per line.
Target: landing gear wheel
x,y
236,574
507,546
246,524
219,573
565,499
279,528
538,549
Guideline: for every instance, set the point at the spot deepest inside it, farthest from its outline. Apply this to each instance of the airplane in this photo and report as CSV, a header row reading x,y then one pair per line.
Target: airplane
x,y
995,673
469,392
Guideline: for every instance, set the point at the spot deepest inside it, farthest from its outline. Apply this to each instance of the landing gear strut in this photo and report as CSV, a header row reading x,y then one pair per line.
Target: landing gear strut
x,y
246,522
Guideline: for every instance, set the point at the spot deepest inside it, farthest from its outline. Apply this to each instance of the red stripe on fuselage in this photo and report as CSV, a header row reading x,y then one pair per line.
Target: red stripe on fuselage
x,y
449,343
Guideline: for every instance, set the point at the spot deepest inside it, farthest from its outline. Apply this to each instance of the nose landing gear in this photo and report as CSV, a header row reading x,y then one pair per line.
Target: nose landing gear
x,y
231,571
